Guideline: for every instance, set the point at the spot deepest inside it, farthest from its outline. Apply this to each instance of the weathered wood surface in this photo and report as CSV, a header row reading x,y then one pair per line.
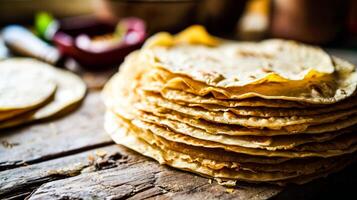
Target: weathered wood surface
x,y
145,180
115,172
21,181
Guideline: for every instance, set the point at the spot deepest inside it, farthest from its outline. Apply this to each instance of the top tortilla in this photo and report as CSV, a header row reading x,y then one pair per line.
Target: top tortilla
x,y
22,86
188,98
229,64
273,69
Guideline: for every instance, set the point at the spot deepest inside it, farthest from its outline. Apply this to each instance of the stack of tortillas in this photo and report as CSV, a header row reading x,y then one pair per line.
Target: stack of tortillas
x,y
275,111
31,90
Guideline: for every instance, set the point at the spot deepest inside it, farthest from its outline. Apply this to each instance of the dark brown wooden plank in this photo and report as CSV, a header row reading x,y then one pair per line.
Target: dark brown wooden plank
x,y
136,177
115,172
22,180
131,176
78,131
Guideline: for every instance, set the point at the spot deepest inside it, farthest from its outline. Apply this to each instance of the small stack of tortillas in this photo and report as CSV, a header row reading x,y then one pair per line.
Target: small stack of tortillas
x,y
275,111
31,90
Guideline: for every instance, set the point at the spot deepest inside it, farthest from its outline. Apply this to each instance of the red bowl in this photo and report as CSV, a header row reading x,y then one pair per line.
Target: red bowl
x,y
65,40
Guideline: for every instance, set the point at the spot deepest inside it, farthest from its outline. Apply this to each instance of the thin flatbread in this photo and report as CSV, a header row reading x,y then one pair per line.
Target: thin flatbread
x,y
230,129
269,143
227,117
181,96
70,91
341,145
122,135
255,107
17,83
229,64
320,92
271,69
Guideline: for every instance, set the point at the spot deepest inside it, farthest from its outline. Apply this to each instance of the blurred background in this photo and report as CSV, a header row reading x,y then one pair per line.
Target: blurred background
x,y
94,32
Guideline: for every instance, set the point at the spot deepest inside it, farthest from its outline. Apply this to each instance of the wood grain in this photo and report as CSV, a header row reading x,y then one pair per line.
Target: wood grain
x,y
23,180
116,172
136,177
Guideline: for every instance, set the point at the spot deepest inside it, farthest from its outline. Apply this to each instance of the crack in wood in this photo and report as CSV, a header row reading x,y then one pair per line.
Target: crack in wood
x,y
17,182
20,163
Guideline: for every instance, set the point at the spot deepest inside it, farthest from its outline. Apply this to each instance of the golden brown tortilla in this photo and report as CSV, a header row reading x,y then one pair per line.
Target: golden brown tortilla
x,y
70,91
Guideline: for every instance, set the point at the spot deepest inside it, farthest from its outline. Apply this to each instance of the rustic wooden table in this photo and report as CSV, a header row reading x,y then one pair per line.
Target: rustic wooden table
x,y
73,158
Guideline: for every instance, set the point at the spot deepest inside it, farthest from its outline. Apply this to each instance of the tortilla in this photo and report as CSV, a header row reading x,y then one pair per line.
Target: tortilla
x,y
133,143
126,137
70,91
235,160
269,143
341,145
272,69
9,114
17,83
316,91
227,117
229,63
191,99
255,107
